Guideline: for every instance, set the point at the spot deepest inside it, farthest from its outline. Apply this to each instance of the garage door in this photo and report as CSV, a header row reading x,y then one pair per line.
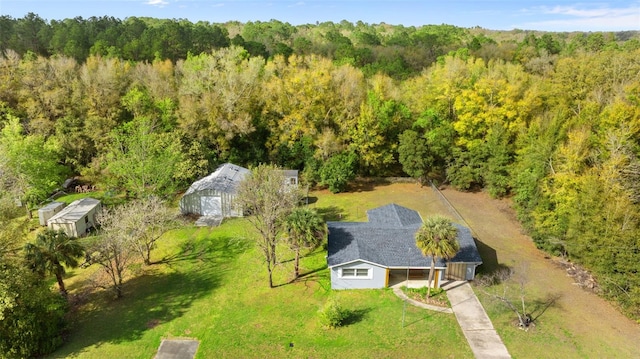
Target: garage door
x,y
210,206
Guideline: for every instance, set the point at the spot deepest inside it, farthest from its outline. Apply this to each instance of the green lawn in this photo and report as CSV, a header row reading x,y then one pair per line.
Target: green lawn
x,y
212,286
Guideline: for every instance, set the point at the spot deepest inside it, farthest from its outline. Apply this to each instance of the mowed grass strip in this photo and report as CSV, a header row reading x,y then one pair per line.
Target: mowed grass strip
x,y
211,284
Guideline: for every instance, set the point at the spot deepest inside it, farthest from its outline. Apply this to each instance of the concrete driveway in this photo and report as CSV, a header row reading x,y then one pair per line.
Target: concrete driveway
x,y
476,325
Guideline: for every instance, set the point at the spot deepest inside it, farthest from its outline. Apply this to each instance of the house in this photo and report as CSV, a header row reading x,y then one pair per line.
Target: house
x,y
48,211
382,252
214,195
77,218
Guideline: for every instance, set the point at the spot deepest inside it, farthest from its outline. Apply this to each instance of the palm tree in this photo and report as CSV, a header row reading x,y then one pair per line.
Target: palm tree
x,y
305,229
51,250
437,238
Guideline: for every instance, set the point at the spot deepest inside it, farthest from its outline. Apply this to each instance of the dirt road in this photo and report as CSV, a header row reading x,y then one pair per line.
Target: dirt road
x,y
580,324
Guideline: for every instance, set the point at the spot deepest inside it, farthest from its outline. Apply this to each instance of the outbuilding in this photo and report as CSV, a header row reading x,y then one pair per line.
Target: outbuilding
x,y
290,178
382,252
48,211
214,195
77,218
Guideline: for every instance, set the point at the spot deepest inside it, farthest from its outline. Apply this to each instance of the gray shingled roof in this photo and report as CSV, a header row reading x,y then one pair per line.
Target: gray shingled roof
x,y
226,178
388,239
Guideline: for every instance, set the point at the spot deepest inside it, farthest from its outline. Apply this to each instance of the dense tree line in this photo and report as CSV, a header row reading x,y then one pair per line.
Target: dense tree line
x,y
396,50
551,120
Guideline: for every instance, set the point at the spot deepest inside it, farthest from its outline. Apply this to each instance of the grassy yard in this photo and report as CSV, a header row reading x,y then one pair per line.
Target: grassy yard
x,y
211,285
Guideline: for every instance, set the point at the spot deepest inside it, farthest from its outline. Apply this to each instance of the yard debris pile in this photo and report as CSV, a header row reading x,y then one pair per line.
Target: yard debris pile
x,y
581,276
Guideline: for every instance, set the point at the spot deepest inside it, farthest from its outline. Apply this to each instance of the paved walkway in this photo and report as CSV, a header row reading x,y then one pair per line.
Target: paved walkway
x,y
476,325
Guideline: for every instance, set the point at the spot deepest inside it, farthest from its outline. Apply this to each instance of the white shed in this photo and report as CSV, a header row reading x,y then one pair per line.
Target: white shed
x,y
77,218
48,211
214,195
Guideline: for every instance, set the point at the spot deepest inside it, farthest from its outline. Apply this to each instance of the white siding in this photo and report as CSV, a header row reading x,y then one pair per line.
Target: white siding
x,y
225,206
48,211
79,217
377,277
471,271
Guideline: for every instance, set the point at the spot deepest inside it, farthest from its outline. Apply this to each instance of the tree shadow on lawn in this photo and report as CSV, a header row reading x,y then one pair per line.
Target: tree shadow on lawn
x,y
367,184
207,250
331,213
423,315
149,300
354,316
539,306
153,298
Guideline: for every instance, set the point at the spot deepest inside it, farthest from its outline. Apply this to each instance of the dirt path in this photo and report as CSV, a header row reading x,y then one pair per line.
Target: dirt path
x,y
589,326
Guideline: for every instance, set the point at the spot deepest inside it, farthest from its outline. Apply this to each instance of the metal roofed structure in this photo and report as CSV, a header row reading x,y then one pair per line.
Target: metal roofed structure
x,y
45,213
77,218
214,194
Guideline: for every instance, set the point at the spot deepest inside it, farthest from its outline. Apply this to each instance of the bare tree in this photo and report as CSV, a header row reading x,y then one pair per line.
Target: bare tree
x,y
112,249
145,221
508,287
267,200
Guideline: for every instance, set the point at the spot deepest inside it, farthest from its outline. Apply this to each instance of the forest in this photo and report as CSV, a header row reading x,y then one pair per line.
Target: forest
x,y
146,106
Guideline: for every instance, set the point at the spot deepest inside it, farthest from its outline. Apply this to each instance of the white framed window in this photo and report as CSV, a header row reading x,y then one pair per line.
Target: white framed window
x,y
355,273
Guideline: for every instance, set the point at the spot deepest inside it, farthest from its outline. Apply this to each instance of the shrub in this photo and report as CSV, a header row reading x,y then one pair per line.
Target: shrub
x,y
332,315
338,171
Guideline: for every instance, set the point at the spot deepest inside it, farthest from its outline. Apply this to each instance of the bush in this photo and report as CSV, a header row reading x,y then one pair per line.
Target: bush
x,y
332,315
338,171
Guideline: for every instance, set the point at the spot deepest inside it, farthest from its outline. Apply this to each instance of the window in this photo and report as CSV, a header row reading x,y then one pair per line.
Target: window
x,y
292,181
355,273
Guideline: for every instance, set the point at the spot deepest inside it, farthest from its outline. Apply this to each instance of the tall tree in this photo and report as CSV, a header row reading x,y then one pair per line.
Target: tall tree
x,y
145,220
304,229
267,200
437,238
144,160
375,132
338,171
112,249
51,253
32,317
32,160
220,96
414,155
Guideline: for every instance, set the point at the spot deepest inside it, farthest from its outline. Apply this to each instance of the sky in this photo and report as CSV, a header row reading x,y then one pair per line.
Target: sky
x,y
545,15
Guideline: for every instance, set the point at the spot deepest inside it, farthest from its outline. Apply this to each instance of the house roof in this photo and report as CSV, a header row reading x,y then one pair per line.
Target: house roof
x,y
51,206
393,215
226,178
75,211
388,239
290,173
